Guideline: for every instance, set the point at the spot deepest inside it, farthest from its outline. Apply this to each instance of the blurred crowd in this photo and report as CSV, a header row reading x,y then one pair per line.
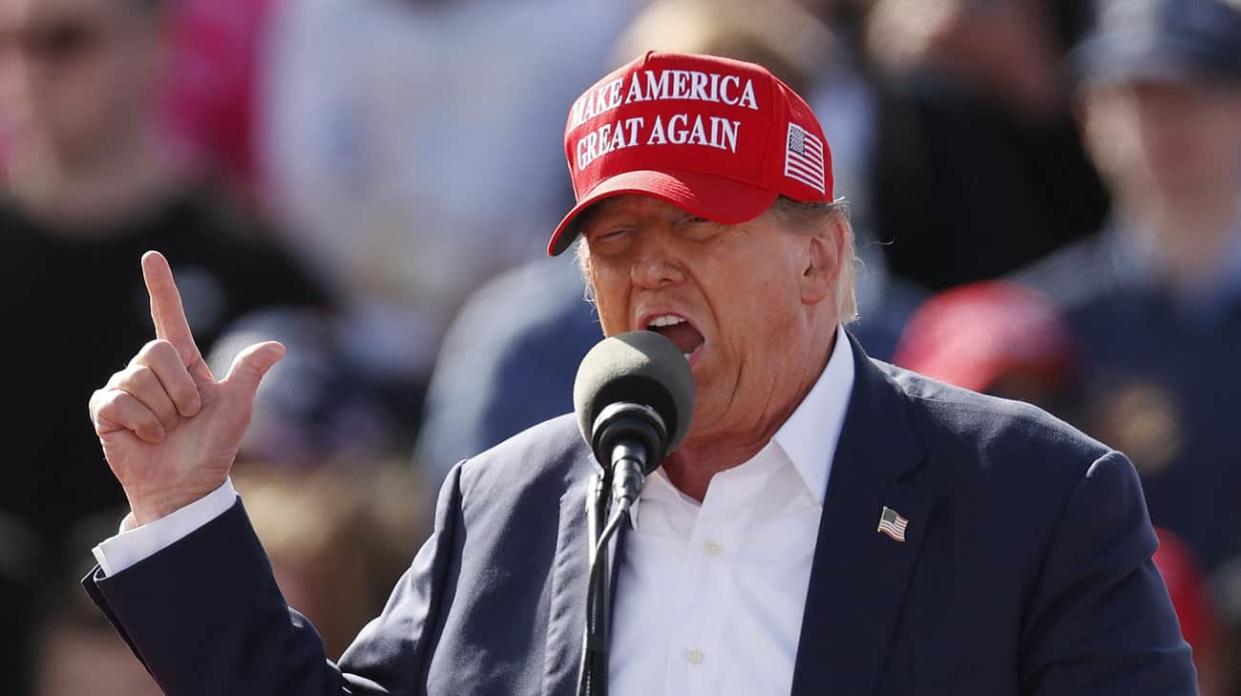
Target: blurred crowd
x,y
1046,196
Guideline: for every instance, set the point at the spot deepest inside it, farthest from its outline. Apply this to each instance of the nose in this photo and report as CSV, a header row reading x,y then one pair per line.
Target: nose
x,y
656,264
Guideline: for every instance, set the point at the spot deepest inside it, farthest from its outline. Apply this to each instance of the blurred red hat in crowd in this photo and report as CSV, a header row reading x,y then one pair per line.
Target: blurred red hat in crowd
x,y
973,335
717,137
1187,588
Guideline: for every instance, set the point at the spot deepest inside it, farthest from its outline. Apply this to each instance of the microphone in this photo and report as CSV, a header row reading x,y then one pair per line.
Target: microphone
x,y
633,396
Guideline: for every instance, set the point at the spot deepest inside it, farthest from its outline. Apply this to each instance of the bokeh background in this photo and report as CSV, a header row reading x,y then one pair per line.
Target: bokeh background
x,y
1046,193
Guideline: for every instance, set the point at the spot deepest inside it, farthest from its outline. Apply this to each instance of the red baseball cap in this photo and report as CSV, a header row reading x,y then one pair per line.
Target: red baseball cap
x,y
719,138
973,335
1189,592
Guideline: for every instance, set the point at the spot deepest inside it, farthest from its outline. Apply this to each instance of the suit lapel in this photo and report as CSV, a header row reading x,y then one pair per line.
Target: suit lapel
x,y
567,605
859,576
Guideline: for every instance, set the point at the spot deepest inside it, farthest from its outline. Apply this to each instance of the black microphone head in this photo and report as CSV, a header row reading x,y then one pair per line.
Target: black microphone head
x,y
640,367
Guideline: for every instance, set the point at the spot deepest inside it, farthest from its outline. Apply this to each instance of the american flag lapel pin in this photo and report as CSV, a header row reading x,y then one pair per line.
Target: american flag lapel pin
x,y
892,524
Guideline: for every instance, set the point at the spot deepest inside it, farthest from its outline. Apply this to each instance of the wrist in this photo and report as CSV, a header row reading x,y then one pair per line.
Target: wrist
x,y
148,508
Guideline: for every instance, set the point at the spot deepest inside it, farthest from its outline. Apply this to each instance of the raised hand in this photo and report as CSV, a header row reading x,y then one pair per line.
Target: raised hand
x,y
169,429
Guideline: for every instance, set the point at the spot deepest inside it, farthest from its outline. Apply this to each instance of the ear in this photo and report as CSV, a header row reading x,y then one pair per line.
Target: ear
x,y
823,251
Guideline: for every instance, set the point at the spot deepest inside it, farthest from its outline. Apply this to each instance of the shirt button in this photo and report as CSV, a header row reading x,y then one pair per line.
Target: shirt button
x,y
712,548
695,656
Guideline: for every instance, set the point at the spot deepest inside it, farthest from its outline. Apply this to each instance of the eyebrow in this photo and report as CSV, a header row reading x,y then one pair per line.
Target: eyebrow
x,y
595,212
594,215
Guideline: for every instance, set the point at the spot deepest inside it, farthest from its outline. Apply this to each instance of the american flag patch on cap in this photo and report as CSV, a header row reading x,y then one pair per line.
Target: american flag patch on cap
x,y
803,158
892,524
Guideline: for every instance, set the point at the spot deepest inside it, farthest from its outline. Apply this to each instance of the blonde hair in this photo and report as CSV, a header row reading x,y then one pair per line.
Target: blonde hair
x,y
812,216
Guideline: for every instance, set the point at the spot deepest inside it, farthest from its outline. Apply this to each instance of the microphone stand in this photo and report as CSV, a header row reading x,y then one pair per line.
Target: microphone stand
x,y
629,434
593,668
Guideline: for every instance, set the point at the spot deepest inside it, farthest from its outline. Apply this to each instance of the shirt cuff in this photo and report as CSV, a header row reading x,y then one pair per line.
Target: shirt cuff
x,y
130,546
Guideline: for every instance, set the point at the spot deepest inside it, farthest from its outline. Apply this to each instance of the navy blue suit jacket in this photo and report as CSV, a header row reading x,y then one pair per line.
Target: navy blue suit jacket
x,y
1026,570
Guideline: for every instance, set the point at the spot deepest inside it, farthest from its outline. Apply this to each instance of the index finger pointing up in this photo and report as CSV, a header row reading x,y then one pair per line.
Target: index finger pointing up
x,y
167,312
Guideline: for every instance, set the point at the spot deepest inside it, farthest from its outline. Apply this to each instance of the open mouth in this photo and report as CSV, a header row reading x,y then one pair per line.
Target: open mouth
x,y
680,331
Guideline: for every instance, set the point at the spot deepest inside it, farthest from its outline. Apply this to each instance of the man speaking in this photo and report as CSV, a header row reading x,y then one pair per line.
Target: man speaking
x,y
830,524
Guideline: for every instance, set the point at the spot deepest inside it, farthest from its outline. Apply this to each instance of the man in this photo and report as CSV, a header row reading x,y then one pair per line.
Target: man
x,y
1154,300
830,525
978,169
89,185
509,359
1156,296
92,184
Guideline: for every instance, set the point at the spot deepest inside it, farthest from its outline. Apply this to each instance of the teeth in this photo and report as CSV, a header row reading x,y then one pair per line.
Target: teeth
x,y
687,355
666,320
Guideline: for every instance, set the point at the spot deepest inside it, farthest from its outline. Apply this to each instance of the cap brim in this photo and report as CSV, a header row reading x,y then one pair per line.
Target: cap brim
x,y
712,197
1116,60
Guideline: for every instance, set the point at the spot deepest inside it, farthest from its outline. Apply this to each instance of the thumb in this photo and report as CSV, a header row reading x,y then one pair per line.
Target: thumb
x,y
250,366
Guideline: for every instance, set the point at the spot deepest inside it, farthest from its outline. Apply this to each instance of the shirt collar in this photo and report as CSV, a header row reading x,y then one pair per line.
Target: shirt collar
x,y
809,436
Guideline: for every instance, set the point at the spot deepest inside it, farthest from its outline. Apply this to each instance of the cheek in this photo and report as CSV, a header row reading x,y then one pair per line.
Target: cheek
x,y
1225,137
611,301
612,322
1115,137
755,314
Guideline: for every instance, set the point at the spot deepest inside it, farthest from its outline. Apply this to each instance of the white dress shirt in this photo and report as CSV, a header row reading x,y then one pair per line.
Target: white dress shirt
x,y
710,596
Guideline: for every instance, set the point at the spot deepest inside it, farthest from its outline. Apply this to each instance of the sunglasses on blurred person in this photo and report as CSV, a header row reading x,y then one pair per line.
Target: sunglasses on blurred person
x,y
56,42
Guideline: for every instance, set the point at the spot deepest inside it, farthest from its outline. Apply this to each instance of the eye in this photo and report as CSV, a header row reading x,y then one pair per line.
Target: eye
x,y
698,228
608,240
611,234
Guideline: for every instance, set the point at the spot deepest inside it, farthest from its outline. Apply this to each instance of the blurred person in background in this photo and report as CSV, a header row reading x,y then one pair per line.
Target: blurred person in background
x,y
312,410
73,647
1196,610
19,580
508,362
510,358
1011,341
978,166
212,91
78,653
338,537
410,146
91,185
1154,299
